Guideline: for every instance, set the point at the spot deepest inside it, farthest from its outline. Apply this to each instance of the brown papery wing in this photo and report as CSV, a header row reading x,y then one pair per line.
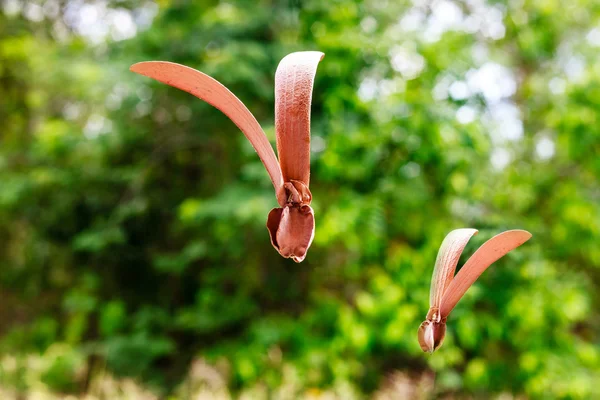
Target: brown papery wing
x,y
445,264
486,255
293,95
214,93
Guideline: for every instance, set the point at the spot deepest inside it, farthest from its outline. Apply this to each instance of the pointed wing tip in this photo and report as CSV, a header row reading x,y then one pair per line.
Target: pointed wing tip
x,y
140,67
464,233
309,53
148,67
519,233
522,231
304,55
472,231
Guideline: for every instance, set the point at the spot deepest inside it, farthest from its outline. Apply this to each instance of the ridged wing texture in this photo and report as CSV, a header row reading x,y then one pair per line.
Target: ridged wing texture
x,y
293,95
445,264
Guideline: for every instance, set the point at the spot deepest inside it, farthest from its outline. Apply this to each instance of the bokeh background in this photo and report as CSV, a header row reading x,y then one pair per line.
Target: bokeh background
x,y
134,258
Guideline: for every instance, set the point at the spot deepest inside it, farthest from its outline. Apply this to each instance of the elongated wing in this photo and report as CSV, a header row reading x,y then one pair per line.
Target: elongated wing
x,y
445,264
486,255
214,93
293,95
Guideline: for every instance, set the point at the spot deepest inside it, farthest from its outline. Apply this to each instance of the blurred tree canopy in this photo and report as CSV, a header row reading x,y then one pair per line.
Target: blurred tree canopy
x,y
132,215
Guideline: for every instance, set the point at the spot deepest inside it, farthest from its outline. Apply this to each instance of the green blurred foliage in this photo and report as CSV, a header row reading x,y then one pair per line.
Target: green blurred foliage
x,y
132,215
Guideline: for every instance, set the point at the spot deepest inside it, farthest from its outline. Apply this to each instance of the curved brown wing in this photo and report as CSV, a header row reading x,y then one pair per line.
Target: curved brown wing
x,y
214,93
445,264
486,255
